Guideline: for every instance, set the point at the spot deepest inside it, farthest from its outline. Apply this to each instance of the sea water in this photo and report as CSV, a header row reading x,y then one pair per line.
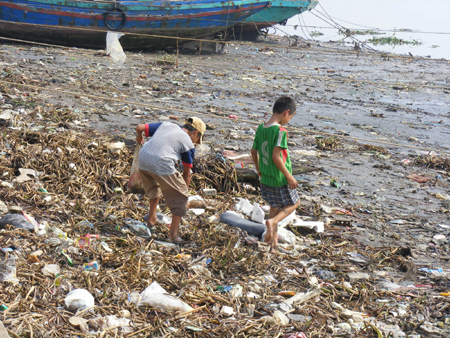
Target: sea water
x,y
427,22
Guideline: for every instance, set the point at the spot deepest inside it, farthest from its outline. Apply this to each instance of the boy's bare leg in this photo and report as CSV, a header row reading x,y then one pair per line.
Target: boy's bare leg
x,y
176,220
273,223
272,213
152,211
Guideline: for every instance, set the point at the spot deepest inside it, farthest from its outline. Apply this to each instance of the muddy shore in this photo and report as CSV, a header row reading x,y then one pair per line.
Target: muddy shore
x,y
401,101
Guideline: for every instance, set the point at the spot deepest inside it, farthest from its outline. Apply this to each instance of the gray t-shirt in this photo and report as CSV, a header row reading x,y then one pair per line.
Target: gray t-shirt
x,y
168,145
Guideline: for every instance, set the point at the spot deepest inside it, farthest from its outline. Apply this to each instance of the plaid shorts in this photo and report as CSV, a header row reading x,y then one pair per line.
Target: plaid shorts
x,y
279,197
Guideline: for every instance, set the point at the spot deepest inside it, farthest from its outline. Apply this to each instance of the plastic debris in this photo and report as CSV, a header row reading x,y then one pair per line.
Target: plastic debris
x,y
155,296
244,206
78,299
257,213
17,221
51,270
138,226
8,270
114,48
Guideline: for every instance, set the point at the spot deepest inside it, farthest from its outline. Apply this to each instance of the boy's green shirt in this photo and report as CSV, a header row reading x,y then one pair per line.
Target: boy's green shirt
x,y
266,138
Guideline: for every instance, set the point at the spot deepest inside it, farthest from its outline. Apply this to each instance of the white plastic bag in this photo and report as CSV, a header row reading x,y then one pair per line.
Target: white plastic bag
x,y
51,270
8,270
78,299
155,296
135,182
114,48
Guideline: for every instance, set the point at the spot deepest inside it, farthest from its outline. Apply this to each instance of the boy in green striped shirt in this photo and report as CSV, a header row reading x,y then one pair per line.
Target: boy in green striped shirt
x,y
271,157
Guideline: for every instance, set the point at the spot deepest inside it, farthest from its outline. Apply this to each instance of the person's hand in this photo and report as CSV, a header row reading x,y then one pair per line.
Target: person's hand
x,y
292,182
139,138
259,173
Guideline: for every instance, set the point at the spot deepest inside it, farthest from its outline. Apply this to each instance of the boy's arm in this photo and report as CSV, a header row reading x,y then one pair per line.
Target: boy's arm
x,y
139,130
187,158
276,158
149,130
256,160
187,175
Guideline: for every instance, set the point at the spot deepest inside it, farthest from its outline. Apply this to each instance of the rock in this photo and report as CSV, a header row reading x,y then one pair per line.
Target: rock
x,y
355,276
17,221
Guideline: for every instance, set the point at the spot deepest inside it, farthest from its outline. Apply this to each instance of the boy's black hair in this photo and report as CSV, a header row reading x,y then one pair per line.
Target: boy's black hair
x,y
189,127
284,103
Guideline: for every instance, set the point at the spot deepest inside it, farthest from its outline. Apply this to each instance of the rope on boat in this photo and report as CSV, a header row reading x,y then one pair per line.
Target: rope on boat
x,y
96,97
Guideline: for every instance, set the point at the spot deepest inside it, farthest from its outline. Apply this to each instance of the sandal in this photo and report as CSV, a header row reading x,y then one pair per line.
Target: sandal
x,y
176,240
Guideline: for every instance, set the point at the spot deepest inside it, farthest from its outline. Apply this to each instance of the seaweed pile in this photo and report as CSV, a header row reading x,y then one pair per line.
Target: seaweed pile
x,y
235,288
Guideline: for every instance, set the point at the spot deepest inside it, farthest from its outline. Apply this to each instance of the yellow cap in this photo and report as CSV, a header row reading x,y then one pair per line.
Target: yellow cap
x,y
198,124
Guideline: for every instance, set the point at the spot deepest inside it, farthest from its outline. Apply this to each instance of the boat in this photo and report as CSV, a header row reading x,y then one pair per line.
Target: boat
x,y
146,24
277,13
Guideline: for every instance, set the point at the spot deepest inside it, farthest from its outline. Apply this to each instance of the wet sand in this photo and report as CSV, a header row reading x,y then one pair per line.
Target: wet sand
x,y
405,101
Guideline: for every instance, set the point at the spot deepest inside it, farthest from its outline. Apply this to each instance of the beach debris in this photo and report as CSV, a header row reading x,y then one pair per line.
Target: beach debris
x,y
17,221
114,48
156,297
75,195
8,270
79,299
51,270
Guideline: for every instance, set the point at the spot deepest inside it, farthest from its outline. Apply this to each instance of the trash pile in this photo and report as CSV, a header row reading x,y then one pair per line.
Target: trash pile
x,y
77,258
76,263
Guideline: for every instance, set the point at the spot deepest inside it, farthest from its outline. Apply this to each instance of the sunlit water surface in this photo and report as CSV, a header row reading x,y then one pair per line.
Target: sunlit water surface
x,y
429,21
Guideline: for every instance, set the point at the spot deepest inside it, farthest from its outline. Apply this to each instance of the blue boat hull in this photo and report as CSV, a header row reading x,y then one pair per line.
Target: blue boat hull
x,y
84,23
278,13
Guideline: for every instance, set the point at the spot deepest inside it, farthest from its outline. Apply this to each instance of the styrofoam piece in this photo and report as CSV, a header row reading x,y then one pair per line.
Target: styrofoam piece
x,y
244,206
257,213
315,226
287,220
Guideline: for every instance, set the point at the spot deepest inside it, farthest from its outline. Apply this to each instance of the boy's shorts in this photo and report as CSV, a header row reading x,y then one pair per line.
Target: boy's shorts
x,y
172,187
279,197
